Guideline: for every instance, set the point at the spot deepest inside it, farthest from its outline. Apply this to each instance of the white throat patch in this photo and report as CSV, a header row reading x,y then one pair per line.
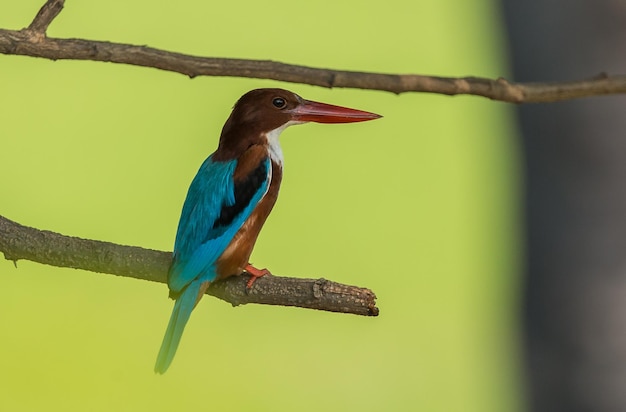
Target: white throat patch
x,y
276,153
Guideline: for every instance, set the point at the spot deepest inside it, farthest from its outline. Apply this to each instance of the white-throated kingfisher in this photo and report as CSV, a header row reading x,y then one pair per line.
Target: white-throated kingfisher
x,y
232,195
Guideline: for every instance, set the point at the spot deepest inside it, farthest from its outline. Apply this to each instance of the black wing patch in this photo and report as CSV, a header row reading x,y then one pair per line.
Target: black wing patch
x,y
244,192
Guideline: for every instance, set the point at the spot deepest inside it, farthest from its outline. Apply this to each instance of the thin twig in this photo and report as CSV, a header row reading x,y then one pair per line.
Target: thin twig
x,y
22,242
46,14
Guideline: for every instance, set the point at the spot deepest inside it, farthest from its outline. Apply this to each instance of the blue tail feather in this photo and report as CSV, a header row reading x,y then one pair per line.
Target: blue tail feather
x,y
180,316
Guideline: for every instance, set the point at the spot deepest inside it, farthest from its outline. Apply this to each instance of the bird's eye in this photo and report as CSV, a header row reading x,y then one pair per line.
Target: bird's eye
x,y
279,102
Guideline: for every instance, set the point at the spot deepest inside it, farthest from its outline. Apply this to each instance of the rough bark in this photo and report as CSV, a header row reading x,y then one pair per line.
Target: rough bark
x,y
32,41
21,242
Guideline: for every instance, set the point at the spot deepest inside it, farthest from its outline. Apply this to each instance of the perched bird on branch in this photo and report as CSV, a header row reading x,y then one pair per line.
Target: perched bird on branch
x,y
232,195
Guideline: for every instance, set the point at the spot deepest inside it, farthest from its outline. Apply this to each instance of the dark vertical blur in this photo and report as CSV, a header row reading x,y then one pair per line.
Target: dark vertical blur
x,y
575,302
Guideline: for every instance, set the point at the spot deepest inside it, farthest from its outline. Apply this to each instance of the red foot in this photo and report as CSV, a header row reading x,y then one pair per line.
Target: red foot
x,y
255,273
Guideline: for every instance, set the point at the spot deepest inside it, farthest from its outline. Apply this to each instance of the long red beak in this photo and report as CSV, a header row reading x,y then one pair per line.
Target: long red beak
x,y
309,111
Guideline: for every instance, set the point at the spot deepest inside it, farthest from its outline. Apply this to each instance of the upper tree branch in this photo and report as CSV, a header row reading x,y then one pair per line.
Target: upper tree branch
x,y
21,242
23,42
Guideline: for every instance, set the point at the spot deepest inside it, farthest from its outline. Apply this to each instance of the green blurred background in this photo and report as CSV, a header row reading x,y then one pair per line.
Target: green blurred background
x,y
421,206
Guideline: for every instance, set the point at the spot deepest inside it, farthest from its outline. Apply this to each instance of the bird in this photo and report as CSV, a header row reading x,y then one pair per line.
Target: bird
x,y
231,196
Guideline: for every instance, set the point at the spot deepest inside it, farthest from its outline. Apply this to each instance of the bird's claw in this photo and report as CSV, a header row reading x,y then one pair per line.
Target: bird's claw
x,y
254,274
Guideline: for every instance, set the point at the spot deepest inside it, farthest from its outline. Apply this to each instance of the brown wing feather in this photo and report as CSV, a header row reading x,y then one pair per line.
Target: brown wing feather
x,y
237,254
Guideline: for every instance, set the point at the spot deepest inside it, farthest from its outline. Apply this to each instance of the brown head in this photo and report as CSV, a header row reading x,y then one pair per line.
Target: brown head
x,y
261,114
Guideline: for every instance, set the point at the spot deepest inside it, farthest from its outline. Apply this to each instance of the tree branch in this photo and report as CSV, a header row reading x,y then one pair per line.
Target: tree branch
x,y
46,14
21,242
33,42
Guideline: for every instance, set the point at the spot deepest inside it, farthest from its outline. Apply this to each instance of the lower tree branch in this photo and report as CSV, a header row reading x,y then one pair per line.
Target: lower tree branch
x,y
22,242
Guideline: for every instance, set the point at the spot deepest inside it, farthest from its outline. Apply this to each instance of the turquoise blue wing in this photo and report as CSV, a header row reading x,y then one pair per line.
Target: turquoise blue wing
x,y
215,209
